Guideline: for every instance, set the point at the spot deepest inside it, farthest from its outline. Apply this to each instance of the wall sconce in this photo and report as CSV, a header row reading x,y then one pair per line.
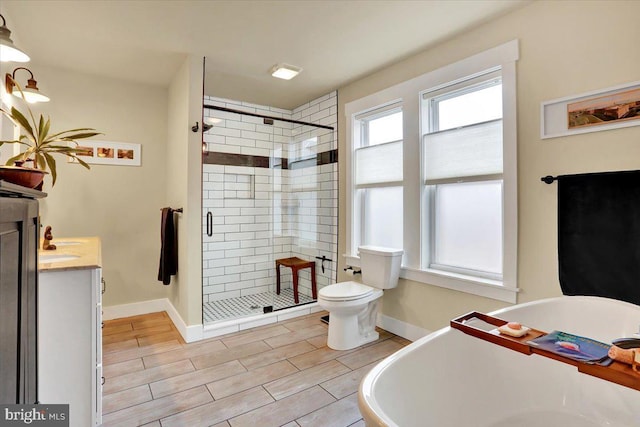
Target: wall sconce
x,y
30,93
205,127
8,52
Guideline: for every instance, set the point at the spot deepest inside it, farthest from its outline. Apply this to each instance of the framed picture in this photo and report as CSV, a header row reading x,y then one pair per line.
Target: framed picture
x,y
110,153
604,109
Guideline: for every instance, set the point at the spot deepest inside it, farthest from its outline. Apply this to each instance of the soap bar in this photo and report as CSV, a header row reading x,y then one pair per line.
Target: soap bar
x,y
513,329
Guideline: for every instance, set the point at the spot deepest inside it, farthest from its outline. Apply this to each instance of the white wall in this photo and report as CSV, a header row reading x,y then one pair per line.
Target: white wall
x,y
120,204
565,48
183,174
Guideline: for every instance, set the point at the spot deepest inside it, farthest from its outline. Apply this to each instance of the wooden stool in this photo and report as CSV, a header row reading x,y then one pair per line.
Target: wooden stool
x,y
296,264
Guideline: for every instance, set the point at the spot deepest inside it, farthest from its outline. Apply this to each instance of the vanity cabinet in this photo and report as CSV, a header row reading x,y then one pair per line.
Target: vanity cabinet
x,y
70,338
18,298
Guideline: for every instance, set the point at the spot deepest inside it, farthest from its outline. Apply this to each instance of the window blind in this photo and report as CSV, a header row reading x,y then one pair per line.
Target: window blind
x,y
379,163
464,152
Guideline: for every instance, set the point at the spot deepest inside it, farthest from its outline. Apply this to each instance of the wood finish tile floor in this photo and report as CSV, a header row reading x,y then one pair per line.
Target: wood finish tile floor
x,y
276,375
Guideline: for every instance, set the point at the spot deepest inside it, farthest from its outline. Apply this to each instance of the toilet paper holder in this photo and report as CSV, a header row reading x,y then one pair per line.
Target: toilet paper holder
x,y
351,271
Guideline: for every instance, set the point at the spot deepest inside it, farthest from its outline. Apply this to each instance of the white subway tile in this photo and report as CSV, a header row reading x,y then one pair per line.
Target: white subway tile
x,y
225,262
224,295
206,255
231,228
225,132
257,243
240,236
254,227
256,151
239,220
223,245
239,269
224,278
213,168
237,124
241,142
254,275
239,170
253,259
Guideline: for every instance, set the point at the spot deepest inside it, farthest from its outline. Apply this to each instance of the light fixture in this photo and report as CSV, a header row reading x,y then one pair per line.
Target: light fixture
x,y
285,71
29,93
8,52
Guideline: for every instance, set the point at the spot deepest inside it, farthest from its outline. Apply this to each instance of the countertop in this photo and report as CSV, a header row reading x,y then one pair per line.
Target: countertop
x,y
85,250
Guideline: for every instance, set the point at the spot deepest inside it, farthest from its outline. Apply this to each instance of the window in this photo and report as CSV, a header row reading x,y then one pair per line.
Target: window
x,y
462,149
432,167
378,177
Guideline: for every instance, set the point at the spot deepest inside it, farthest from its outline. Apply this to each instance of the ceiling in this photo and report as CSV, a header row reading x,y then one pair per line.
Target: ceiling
x,y
335,42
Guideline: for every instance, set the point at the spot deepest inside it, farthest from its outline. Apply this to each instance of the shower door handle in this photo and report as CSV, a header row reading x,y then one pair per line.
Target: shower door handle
x,y
209,224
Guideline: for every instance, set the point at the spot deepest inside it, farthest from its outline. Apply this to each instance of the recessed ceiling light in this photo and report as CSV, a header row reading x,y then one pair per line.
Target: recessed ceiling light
x,y
285,71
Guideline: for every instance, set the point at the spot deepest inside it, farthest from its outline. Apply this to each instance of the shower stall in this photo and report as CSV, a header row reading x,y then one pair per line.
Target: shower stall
x,y
269,193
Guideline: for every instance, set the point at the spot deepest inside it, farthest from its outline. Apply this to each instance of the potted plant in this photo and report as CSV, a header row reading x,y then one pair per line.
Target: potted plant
x,y
41,146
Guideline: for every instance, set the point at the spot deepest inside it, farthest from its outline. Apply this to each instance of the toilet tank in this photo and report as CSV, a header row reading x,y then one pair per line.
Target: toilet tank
x,y
380,266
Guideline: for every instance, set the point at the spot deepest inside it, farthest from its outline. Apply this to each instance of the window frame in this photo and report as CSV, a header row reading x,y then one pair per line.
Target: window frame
x,y
430,115
409,94
361,121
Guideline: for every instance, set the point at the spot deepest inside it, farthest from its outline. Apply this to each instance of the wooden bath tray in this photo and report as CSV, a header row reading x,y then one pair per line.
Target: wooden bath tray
x,y
617,372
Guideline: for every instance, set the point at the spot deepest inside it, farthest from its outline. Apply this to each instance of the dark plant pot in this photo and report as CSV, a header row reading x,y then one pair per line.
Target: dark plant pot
x,y
26,177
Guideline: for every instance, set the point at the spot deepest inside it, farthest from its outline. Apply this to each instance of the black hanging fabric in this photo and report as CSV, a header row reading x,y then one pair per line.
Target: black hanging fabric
x,y
599,235
169,248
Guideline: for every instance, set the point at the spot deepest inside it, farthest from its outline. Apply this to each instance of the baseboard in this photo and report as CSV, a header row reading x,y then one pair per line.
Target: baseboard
x,y
134,309
403,329
189,333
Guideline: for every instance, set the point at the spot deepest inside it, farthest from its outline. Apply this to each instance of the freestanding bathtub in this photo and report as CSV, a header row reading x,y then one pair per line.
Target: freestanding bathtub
x,y
450,379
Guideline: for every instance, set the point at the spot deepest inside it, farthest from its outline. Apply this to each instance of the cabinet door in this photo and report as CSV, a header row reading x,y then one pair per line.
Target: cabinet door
x,y
29,319
18,300
10,255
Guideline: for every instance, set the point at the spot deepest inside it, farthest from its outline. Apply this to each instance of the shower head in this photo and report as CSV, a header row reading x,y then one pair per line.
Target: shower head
x,y
206,127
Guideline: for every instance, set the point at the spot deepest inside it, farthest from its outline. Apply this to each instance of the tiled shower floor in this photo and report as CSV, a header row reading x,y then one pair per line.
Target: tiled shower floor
x,y
231,308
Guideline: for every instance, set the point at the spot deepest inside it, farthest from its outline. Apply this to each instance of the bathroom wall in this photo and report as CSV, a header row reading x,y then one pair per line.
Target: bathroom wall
x,y
266,211
119,204
183,182
562,53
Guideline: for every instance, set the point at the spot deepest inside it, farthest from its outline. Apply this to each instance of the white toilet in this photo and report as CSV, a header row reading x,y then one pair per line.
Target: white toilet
x,y
353,306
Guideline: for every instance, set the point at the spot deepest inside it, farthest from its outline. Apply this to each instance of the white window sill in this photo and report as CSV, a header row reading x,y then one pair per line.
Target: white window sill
x,y
487,288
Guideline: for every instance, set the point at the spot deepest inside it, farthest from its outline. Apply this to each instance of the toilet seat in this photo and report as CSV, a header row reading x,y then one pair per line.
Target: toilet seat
x,y
345,291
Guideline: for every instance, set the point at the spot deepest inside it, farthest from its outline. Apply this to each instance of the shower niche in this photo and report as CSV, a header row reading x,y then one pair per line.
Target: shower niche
x,y
269,192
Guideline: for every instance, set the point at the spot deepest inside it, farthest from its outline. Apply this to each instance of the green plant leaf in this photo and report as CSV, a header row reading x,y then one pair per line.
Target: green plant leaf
x,y
22,121
41,161
15,141
40,128
82,162
45,131
79,136
12,160
63,149
56,135
51,162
